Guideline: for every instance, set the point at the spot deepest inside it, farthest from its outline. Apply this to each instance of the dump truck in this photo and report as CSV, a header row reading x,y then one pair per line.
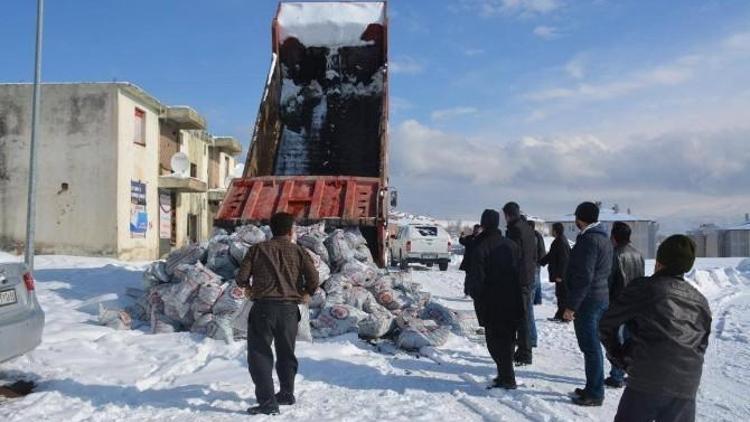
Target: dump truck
x,y
319,148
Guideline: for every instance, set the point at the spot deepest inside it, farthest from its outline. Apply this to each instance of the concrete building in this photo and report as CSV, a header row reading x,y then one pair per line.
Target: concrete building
x,y
104,183
714,241
643,235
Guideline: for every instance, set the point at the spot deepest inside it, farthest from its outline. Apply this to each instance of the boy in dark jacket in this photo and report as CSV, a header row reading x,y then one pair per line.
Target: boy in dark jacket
x,y
557,263
494,272
587,277
669,322
627,265
540,252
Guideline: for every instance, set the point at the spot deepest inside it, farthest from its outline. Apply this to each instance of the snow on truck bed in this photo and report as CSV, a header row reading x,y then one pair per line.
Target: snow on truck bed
x,y
91,373
329,24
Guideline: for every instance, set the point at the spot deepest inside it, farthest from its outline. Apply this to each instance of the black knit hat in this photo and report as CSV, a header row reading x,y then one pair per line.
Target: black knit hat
x,y
677,254
587,212
490,219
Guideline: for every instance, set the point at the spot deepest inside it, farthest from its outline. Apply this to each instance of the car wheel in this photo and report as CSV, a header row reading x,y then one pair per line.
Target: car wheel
x,y
430,265
402,261
443,266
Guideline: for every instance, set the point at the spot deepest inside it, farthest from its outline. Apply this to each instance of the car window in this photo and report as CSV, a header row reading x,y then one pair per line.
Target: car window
x,y
427,231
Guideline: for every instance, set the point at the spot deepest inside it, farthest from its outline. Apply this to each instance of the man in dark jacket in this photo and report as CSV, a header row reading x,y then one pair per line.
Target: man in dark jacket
x,y
557,263
520,232
467,242
627,265
283,275
494,270
540,252
587,278
669,322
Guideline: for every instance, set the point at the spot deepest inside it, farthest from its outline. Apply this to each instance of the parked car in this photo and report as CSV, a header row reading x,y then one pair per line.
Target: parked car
x,y
21,317
426,244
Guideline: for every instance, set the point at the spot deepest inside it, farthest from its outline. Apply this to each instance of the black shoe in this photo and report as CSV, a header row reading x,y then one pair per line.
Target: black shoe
x,y
613,383
266,409
285,399
585,400
505,385
579,392
522,362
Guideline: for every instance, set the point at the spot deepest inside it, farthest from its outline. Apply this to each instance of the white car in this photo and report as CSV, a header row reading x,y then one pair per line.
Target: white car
x,y
21,317
427,244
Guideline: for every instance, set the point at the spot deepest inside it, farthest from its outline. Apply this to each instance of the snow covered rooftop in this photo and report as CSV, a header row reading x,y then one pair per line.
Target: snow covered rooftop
x,y
605,215
329,24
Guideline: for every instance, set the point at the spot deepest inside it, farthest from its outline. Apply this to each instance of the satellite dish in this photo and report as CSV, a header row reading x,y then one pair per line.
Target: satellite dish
x,y
180,164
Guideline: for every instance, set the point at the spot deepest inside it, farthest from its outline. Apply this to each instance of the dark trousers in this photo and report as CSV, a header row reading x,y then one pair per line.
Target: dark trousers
x,y
637,406
560,293
272,323
500,343
586,325
616,373
524,328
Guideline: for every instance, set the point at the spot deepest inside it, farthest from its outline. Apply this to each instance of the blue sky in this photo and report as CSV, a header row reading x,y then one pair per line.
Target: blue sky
x,y
547,102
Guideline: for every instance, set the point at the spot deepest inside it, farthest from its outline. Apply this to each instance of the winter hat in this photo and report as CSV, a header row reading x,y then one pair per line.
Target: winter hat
x,y
676,254
587,212
490,219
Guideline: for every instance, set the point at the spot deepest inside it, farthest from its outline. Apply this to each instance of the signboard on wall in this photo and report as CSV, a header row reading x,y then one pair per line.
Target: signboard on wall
x,y
138,213
165,215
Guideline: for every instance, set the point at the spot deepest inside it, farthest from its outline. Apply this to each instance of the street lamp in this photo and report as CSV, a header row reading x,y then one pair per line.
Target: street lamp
x,y
31,204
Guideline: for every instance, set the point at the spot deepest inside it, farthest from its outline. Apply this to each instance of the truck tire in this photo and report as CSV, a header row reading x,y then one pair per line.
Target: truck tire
x,y
402,262
443,266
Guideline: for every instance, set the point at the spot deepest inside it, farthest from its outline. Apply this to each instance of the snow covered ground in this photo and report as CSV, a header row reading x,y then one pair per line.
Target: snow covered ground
x,y
87,372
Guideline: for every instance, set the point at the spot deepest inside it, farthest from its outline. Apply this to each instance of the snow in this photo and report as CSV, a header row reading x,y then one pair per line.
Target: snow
x,y
87,372
329,24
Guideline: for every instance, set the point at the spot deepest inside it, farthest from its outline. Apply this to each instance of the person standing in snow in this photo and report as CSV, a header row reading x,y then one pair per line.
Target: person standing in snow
x,y
279,275
557,263
520,232
540,252
627,265
669,322
494,274
467,241
586,280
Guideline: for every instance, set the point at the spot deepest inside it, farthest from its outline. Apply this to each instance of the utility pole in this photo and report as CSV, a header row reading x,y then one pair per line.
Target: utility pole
x,y
31,204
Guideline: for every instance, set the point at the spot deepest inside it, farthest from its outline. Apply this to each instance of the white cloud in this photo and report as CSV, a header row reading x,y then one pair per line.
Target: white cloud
x,y
546,32
450,113
397,104
708,163
576,67
671,73
512,7
406,65
239,168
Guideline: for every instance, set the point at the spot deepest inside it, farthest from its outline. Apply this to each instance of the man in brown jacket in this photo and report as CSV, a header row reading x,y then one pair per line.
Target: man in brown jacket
x,y
279,275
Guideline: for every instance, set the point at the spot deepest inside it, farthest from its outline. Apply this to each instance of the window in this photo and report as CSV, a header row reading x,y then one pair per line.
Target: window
x,y
193,170
226,168
139,127
427,231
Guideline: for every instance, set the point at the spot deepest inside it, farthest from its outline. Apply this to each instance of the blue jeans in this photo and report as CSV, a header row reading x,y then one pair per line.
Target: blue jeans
x,y
616,373
586,325
538,287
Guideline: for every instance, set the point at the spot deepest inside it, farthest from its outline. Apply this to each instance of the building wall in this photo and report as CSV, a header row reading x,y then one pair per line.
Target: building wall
x,y
169,144
137,163
77,158
736,243
194,143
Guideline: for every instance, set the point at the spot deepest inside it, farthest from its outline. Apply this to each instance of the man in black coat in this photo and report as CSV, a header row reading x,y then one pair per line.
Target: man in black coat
x,y
494,275
669,322
557,263
587,278
520,232
467,242
627,265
